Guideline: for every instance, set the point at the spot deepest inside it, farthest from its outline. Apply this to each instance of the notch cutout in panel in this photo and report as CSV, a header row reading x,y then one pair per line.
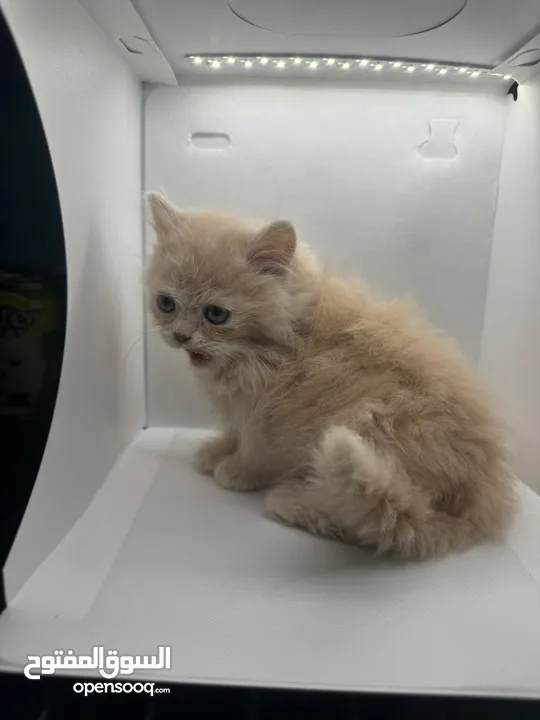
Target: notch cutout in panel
x,y
441,142
210,141
135,45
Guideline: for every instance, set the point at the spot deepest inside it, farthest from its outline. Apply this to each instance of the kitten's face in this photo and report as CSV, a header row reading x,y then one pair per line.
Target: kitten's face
x,y
219,288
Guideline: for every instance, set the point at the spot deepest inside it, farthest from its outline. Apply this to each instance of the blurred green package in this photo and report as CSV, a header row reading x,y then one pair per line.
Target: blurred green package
x,y
32,328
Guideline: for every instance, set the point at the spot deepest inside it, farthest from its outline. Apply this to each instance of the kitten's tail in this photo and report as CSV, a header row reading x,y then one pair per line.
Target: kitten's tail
x,y
376,504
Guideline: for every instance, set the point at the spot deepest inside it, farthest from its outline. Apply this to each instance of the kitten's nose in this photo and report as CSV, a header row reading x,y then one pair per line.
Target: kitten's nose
x,y
181,338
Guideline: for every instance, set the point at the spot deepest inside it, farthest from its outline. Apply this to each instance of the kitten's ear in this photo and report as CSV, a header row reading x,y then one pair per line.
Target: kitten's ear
x,y
273,249
165,215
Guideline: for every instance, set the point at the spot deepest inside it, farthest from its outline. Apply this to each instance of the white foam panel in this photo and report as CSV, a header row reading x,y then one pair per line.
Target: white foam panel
x,y
89,104
162,556
351,168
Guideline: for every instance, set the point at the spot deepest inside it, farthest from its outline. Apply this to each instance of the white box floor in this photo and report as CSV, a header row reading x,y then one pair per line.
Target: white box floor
x,y
164,557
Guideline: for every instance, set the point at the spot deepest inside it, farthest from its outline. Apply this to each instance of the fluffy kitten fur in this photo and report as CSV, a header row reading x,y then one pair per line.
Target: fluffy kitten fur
x,y
369,427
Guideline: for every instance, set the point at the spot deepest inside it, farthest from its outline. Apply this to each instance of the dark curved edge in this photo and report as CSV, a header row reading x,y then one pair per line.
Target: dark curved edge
x,y
513,90
359,37
54,699
31,246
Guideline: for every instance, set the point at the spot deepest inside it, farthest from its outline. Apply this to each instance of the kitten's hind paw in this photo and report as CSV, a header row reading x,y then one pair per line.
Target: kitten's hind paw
x,y
283,503
294,505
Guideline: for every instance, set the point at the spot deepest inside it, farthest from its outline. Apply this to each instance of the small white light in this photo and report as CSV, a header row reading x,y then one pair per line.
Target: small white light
x,y
264,61
231,61
280,64
443,71
197,60
363,63
397,64
248,64
411,68
507,77
346,66
462,70
379,66
216,65
313,65
297,61
330,61
430,67
475,74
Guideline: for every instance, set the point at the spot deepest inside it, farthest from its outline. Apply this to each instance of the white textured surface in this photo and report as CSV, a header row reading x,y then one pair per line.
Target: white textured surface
x,y
485,32
344,166
511,339
90,105
127,32
242,599
343,18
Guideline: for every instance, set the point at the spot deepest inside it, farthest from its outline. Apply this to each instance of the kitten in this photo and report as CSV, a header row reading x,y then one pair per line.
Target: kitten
x,y
369,427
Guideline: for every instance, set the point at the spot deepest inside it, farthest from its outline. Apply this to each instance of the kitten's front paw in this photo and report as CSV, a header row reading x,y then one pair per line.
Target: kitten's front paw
x,y
212,452
229,475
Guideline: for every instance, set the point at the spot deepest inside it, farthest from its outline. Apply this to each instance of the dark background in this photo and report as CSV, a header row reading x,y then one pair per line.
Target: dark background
x,y
31,244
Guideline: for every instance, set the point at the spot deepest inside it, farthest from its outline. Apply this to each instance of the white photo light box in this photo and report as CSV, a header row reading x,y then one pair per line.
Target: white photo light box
x,y
386,133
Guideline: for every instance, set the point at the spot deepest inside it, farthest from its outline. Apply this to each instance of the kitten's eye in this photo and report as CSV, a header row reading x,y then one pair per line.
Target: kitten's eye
x,y
165,303
216,315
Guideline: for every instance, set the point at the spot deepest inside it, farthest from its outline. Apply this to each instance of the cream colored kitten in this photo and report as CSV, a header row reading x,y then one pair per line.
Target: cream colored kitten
x,y
369,427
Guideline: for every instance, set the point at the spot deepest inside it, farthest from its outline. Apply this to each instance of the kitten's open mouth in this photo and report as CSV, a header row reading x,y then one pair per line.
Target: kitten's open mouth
x,y
198,358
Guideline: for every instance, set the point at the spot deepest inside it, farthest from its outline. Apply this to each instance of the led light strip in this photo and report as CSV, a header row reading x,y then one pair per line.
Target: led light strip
x,y
348,65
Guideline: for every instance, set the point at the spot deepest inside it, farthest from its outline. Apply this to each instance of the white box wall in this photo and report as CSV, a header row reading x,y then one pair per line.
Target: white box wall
x,y
344,165
241,599
90,106
510,351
